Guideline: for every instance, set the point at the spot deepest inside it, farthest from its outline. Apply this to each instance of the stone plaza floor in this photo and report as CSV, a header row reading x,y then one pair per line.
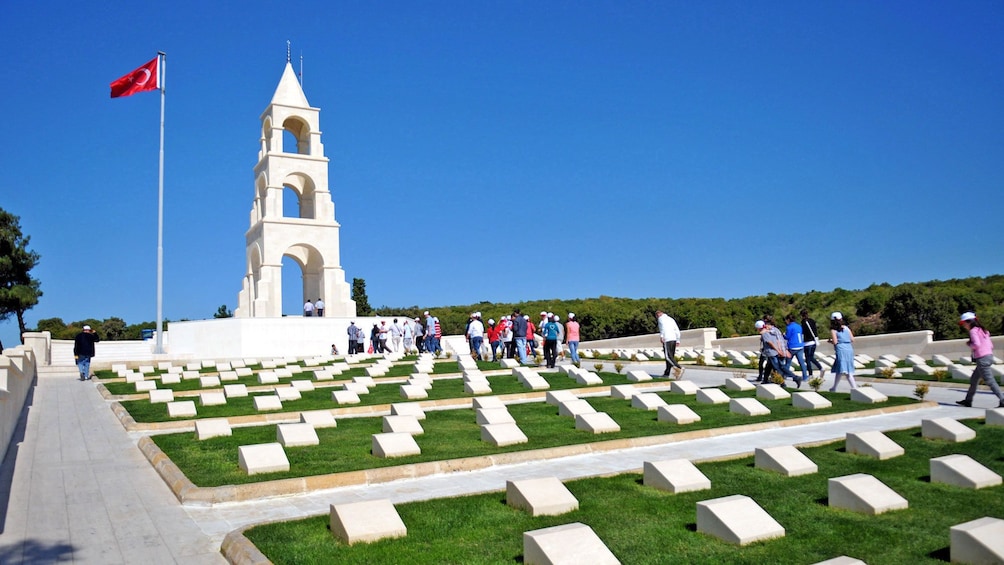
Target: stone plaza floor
x,y
74,488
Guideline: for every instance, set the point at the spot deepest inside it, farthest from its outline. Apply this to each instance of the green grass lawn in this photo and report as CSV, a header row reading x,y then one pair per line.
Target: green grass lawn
x,y
641,525
319,399
359,370
451,434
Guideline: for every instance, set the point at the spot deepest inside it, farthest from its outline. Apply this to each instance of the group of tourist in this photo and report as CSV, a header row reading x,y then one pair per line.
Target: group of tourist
x,y
799,341
515,336
405,336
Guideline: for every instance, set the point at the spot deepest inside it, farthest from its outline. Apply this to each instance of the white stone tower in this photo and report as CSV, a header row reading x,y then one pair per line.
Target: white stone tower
x,y
310,238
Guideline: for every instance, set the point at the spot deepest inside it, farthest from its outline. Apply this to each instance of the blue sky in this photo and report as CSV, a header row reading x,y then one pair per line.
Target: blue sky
x,y
514,150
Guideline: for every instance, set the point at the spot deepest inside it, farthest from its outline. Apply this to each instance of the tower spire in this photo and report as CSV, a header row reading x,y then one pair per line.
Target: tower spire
x,y
287,50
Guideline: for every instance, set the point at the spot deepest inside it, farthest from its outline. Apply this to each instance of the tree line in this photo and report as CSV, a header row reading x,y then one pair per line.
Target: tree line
x,y
880,308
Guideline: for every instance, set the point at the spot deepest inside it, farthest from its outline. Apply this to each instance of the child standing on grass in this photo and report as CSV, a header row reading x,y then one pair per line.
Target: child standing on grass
x,y
983,356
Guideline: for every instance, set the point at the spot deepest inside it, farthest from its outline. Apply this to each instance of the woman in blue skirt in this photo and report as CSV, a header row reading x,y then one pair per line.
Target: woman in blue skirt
x,y
842,340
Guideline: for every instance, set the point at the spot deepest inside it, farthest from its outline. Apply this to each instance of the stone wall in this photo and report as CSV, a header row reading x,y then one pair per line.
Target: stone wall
x,y
700,337
17,375
299,336
900,344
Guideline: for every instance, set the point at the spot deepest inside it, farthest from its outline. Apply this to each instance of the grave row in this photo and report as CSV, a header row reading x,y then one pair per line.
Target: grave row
x,y
415,388
960,368
349,394
735,519
499,428
266,375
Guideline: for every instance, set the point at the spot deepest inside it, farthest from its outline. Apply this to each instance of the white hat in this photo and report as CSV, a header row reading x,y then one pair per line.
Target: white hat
x,y
836,316
426,312
556,317
570,315
87,327
965,317
759,324
526,316
543,313
491,320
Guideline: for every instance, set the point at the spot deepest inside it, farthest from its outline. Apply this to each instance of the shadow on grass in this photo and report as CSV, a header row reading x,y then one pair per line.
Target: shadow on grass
x,y
691,527
825,501
943,554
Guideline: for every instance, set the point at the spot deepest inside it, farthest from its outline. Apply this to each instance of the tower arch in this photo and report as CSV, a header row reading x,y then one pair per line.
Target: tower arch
x,y
310,235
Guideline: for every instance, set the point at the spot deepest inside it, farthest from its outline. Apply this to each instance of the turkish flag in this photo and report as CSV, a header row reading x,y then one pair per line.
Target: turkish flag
x,y
142,79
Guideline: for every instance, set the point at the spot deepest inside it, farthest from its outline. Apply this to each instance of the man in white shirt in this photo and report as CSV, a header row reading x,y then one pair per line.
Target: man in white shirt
x,y
476,336
319,308
669,335
308,308
408,335
395,335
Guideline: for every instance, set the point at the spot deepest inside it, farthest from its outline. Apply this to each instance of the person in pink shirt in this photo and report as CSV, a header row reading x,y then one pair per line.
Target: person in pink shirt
x,y
983,356
572,337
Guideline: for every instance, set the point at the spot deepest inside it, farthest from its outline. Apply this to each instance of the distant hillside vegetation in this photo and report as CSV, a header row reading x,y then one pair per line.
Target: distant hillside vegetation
x,y
880,308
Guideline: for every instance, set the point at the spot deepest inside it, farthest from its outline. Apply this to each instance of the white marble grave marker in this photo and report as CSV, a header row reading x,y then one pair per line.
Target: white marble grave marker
x,y
677,414
962,471
211,427
546,496
784,459
863,493
262,458
978,541
675,476
872,444
568,544
366,522
399,444
736,519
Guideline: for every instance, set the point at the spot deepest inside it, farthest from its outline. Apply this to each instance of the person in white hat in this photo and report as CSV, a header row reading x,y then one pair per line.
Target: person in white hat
x,y
983,357
506,336
550,334
475,336
493,333
83,350
842,339
572,336
561,337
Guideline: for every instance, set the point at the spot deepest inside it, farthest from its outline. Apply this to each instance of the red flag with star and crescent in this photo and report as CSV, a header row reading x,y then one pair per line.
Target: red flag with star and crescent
x,y
142,79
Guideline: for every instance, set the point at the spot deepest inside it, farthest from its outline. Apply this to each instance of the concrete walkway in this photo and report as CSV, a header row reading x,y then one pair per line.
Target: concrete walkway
x,y
74,487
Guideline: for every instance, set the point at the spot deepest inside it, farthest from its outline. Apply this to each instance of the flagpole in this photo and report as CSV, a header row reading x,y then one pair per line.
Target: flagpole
x,y
160,212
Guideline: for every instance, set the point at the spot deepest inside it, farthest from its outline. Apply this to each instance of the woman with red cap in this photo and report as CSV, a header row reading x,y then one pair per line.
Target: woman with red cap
x,y
983,356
